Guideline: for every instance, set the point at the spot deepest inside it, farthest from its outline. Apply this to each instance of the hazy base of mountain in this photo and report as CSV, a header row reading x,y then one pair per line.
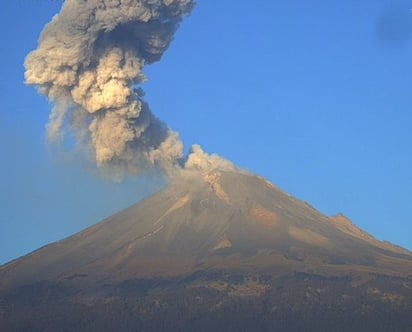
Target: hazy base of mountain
x,y
218,251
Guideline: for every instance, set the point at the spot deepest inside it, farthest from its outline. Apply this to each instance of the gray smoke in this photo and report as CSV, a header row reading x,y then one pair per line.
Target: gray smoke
x,y
88,62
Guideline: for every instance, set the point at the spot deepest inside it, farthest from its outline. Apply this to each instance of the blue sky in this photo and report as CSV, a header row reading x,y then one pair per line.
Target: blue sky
x,y
315,96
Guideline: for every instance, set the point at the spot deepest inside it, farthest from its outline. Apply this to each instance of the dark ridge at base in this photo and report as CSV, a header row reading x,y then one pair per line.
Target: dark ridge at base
x,y
218,301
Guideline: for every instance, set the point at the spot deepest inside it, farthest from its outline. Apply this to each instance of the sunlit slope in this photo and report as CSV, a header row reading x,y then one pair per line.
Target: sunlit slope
x,y
216,220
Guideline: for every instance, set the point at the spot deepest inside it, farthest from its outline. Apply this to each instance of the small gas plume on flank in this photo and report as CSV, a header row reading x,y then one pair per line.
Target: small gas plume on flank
x,y
89,64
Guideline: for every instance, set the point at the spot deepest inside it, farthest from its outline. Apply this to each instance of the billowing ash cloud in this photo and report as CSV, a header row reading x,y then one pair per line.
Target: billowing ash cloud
x,y
203,162
88,62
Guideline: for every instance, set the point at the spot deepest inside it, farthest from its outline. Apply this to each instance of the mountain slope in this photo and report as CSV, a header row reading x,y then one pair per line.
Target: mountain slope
x,y
228,238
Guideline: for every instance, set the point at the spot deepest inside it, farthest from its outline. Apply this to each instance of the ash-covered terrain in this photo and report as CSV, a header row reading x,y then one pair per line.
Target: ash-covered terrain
x,y
218,250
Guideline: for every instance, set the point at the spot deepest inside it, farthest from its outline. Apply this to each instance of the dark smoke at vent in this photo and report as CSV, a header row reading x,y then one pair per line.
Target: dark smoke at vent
x,y
89,59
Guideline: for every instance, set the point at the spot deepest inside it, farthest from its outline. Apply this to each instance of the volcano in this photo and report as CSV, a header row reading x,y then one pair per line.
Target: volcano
x,y
220,250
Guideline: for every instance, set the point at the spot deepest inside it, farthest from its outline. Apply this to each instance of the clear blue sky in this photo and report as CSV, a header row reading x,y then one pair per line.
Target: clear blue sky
x,y
315,96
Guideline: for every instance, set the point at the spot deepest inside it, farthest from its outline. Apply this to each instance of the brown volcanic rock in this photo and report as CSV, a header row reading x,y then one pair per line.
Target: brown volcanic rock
x,y
227,247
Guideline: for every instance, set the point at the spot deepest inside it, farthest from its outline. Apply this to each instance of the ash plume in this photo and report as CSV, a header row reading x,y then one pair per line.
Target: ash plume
x,y
201,161
89,62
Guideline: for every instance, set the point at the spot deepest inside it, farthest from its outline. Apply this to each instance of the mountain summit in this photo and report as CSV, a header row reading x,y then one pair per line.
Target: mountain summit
x,y
215,250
